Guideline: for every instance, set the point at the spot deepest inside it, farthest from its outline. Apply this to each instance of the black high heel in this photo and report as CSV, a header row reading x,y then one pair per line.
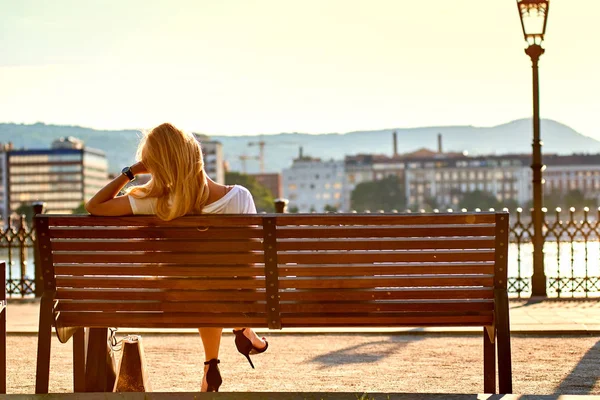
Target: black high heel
x,y
245,346
213,375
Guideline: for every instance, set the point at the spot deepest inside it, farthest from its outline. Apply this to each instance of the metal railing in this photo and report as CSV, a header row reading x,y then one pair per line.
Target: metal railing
x,y
17,248
571,253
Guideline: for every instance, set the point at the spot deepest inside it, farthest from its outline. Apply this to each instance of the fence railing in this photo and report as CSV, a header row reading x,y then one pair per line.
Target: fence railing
x,y
17,239
571,254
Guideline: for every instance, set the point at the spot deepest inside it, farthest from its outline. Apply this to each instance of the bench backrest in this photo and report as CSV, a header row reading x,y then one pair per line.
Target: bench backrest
x,y
275,270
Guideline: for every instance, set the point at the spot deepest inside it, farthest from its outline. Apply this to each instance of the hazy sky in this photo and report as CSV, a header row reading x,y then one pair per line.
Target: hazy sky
x,y
314,66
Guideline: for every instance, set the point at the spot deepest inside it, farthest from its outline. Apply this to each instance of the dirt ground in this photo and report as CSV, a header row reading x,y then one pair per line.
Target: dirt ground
x,y
341,363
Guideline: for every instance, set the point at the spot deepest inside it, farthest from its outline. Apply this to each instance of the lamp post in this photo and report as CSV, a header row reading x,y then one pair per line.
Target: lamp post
x,y
534,15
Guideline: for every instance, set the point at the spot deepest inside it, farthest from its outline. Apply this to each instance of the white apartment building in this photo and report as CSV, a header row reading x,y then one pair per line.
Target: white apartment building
x,y
311,184
212,151
446,177
447,180
573,172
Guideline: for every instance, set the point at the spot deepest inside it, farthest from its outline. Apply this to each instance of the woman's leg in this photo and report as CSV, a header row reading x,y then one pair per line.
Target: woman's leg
x,y
211,340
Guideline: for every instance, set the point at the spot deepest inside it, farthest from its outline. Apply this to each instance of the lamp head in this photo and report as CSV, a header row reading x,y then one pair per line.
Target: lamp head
x,y
534,15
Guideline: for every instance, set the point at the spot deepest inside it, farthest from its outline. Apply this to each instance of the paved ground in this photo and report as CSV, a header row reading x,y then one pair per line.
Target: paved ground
x,y
555,347
526,316
383,363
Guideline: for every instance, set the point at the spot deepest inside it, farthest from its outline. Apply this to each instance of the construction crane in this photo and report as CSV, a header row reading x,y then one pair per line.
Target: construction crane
x,y
243,159
261,152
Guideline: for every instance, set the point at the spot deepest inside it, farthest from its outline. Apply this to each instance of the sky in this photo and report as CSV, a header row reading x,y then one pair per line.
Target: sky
x,y
314,66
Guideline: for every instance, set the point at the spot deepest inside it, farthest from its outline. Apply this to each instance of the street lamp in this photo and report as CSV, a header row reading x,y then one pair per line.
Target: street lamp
x,y
534,15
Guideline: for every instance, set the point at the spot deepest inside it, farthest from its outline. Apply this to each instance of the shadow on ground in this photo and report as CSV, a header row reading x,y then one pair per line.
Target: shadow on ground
x,y
583,378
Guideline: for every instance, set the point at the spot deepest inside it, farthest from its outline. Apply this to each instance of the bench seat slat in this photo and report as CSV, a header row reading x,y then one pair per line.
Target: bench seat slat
x,y
365,219
88,232
332,295
158,283
384,320
348,257
352,308
383,281
160,295
354,270
148,306
191,320
204,246
387,244
225,271
161,320
185,258
312,232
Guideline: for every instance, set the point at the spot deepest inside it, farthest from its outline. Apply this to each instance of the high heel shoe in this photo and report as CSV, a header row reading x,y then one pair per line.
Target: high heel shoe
x,y
213,375
245,346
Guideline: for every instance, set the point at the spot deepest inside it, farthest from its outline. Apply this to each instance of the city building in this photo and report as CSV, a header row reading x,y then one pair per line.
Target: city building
x,y
312,184
271,181
444,182
212,151
62,177
572,172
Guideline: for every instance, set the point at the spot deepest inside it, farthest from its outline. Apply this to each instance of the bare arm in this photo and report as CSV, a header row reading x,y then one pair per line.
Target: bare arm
x,y
105,203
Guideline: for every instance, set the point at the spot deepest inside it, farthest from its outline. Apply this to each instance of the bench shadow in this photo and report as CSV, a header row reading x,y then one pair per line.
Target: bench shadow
x,y
529,302
585,375
353,355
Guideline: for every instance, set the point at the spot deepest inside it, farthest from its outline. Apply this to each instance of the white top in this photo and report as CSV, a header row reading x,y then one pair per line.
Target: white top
x,y
237,201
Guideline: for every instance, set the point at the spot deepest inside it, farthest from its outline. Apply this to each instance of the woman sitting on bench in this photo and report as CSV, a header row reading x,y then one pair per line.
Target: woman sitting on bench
x,y
180,186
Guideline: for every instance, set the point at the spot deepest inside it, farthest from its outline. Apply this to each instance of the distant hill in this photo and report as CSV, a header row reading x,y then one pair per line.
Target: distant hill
x,y
280,149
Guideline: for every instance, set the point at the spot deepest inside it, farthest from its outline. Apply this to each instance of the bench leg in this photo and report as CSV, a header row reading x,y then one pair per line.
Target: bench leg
x,y
489,364
2,348
42,375
79,353
97,375
503,339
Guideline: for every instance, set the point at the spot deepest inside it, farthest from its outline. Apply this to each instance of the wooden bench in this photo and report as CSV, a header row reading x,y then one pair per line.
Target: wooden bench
x,y
3,328
275,271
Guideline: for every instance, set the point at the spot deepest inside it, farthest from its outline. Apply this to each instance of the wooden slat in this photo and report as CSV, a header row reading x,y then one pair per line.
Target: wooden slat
x,y
371,282
163,271
383,319
204,246
334,295
158,283
183,258
155,233
331,295
150,306
347,257
160,295
161,320
387,306
394,219
387,244
207,220
378,269
387,231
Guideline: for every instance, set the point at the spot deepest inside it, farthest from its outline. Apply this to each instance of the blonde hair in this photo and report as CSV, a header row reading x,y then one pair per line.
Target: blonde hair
x,y
174,158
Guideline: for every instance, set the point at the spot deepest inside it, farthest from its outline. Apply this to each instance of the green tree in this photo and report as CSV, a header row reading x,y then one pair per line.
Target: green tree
x,y
478,199
27,210
511,204
386,194
80,209
330,208
263,199
293,209
576,198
